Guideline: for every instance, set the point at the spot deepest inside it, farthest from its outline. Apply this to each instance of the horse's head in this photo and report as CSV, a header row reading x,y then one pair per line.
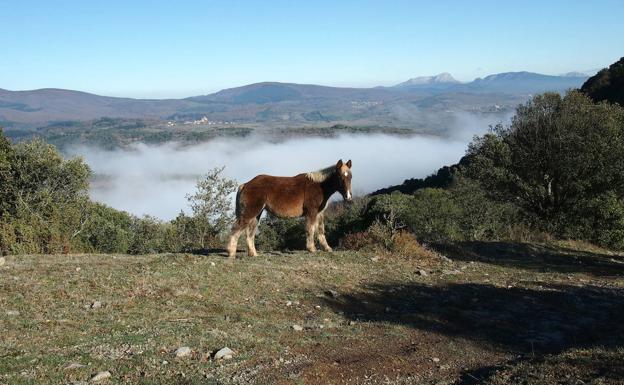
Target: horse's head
x,y
343,170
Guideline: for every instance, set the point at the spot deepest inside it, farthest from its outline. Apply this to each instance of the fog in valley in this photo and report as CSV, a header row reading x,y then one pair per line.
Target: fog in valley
x,y
154,180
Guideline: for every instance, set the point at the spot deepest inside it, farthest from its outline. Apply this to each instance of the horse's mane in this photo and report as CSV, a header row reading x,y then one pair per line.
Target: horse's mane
x,y
322,174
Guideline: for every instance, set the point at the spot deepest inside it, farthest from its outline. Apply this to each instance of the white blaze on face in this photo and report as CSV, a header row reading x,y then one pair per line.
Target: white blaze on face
x,y
348,194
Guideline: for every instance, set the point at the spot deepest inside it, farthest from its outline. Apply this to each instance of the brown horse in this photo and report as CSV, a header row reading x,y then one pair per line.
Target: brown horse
x,y
288,197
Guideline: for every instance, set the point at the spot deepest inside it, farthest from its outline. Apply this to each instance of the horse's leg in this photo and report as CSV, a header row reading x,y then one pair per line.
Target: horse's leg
x,y
238,227
251,233
310,228
321,232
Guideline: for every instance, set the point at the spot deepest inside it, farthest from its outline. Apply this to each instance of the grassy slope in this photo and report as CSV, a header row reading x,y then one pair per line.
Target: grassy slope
x,y
490,315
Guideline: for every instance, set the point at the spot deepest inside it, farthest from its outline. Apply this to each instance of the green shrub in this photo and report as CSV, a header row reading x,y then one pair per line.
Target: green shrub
x,y
107,230
149,235
281,233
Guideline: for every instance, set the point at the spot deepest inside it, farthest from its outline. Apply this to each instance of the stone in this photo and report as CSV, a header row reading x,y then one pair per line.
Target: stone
x,y
2,261
435,359
288,303
422,272
12,313
375,259
297,328
74,365
332,293
96,305
224,353
101,376
183,351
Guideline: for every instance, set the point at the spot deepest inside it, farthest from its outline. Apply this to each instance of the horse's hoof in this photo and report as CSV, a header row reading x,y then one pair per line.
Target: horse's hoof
x,y
329,249
252,254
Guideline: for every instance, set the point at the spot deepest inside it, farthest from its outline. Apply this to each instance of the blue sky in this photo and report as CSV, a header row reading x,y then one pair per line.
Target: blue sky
x,y
183,48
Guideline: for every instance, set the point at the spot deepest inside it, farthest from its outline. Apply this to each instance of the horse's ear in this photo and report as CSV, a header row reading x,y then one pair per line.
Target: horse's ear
x,y
339,164
349,163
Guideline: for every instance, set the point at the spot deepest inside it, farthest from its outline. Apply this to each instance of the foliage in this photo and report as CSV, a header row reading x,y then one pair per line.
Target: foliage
x,y
558,155
212,207
107,230
149,236
462,212
281,233
44,198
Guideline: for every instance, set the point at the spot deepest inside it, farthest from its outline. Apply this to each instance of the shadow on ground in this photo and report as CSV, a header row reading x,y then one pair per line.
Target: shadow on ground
x,y
529,322
546,320
540,258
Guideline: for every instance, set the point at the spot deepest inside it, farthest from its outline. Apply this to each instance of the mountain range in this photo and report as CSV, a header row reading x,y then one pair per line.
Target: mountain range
x,y
290,104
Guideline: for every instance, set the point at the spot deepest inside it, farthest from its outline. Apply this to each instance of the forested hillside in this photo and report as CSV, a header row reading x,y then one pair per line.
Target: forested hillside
x,y
607,84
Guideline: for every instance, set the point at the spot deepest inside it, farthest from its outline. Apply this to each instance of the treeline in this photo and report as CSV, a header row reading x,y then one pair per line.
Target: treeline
x,y
45,208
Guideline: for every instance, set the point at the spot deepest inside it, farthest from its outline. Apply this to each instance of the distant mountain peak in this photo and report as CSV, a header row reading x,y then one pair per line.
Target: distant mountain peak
x,y
575,74
443,78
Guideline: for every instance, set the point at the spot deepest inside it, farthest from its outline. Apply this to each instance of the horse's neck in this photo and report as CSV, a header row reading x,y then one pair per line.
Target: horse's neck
x,y
329,186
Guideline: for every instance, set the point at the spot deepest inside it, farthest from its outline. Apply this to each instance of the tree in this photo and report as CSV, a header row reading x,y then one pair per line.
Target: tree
x,y
557,154
211,205
7,193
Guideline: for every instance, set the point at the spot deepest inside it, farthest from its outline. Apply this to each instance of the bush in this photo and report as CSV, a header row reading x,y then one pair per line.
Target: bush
x,y
107,230
462,212
346,218
383,237
150,235
281,233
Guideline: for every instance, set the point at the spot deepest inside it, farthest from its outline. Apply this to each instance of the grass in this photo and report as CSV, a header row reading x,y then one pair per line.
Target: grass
x,y
474,319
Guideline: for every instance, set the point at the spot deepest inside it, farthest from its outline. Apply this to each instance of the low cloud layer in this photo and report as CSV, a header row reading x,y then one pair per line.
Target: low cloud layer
x,y
155,179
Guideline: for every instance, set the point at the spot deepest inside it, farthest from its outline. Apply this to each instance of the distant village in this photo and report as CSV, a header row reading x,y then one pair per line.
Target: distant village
x,y
203,121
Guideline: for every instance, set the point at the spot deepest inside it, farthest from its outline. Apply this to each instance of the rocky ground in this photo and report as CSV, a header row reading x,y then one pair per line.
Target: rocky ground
x,y
494,313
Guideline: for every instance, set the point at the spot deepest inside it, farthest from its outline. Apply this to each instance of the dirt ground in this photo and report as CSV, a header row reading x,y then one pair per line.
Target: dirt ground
x,y
489,313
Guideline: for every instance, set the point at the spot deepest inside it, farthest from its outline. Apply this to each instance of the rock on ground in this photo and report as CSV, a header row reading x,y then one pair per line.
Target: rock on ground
x,y
183,351
101,376
225,353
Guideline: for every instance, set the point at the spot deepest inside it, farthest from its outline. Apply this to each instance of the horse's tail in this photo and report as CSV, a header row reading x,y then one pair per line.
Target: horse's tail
x,y
238,208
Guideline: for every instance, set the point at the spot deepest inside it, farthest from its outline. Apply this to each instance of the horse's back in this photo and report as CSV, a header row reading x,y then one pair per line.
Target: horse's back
x,y
282,195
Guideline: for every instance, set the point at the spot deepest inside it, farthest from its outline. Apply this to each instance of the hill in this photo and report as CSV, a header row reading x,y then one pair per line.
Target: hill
x,y
524,82
607,84
51,104
272,104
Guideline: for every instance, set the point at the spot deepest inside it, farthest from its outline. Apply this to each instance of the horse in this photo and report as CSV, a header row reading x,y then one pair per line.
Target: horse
x,y
289,197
